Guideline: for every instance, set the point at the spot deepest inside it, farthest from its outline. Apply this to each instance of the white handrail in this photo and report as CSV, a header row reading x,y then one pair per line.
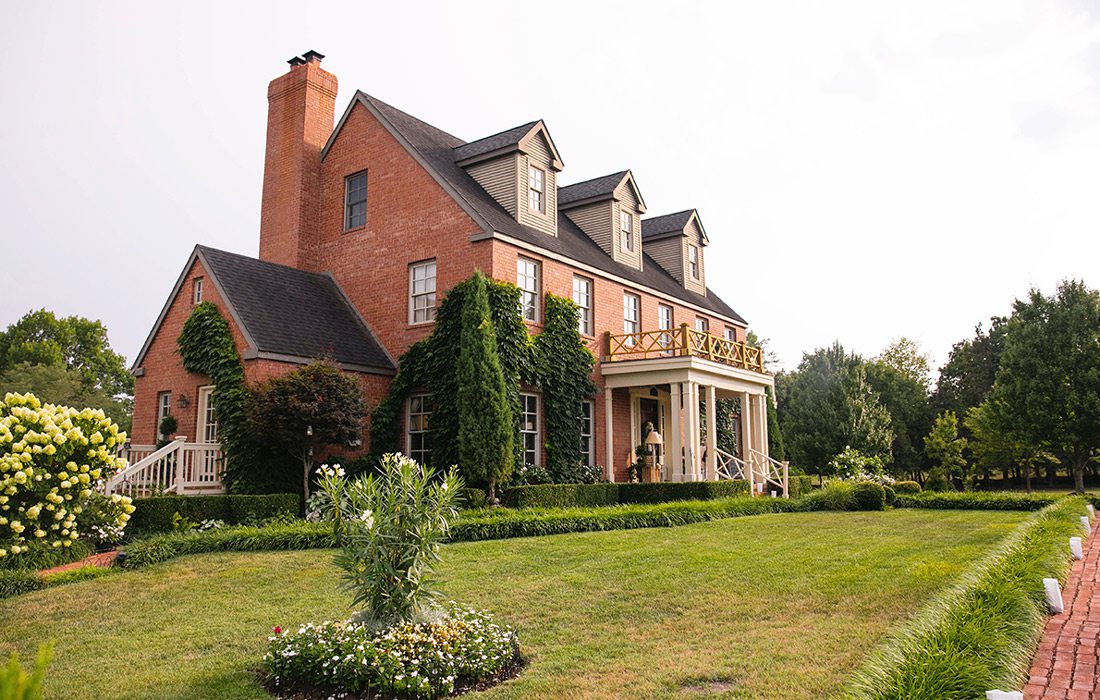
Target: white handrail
x,y
772,470
178,467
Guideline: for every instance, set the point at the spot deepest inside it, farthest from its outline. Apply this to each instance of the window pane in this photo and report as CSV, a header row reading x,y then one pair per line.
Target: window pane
x,y
422,291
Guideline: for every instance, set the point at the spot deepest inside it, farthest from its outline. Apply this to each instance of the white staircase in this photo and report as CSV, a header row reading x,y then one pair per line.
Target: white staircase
x,y
180,467
761,471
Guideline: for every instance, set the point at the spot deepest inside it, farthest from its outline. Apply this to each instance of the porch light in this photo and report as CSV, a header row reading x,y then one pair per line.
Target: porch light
x,y
183,401
654,438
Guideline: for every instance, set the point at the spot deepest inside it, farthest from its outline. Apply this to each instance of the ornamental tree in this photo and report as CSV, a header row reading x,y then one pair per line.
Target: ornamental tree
x,y
51,458
1048,380
945,448
311,407
485,429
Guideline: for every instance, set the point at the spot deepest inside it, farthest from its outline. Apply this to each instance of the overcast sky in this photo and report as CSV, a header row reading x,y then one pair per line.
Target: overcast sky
x,y
864,170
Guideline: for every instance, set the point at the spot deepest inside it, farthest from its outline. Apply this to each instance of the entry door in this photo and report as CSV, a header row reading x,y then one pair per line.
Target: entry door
x,y
207,467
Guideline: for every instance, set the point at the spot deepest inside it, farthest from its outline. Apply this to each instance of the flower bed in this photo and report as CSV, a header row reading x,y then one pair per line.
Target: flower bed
x,y
461,651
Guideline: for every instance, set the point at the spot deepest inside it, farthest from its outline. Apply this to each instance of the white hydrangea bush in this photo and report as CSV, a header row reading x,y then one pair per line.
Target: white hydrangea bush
x,y
51,459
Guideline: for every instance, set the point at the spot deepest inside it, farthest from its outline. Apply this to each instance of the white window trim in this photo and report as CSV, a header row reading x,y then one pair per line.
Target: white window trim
x,y
693,261
702,324
537,290
412,295
408,422
531,170
591,428
585,317
626,233
196,291
538,426
636,307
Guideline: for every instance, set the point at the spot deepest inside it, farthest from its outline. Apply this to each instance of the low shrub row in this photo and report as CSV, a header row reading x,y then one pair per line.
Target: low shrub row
x,y
977,500
980,634
15,582
156,514
581,495
242,538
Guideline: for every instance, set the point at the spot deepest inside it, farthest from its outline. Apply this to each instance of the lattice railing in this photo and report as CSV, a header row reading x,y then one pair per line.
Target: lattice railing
x,y
179,467
681,342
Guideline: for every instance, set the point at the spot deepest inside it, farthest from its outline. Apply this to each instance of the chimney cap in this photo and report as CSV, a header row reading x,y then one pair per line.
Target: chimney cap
x,y
296,61
312,56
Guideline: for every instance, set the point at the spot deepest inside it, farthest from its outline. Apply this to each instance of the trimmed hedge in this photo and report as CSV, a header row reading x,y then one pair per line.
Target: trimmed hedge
x,y
17,581
243,538
867,495
901,487
981,633
582,495
977,500
83,573
798,485
155,514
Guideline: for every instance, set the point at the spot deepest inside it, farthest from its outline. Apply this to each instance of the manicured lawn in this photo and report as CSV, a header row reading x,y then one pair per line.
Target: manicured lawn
x,y
773,606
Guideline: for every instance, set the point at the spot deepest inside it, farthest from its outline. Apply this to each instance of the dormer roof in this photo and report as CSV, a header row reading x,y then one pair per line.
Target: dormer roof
x,y
666,225
514,139
597,189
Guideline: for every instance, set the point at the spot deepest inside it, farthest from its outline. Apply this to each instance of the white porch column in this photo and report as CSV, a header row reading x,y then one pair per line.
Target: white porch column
x,y
764,424
747,440
609,428
674,444
691,431
712,434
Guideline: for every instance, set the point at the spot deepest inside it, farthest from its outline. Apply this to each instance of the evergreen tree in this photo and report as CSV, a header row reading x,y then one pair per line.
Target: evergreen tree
x,y
945,448
485,430
867,423
775,433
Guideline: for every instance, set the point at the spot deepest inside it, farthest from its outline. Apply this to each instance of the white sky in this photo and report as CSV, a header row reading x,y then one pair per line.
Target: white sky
x,y
864,170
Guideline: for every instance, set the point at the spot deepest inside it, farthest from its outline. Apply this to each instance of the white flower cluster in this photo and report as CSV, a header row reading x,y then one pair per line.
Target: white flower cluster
x,y
326,471
51,459
427,660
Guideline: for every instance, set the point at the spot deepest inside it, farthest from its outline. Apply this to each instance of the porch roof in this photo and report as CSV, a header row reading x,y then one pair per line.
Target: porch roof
x,y
669,370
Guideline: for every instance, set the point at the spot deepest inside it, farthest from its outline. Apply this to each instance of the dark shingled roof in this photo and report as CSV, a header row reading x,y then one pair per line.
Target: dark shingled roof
x,y
287,311
666,223
511,137
596,187
436,148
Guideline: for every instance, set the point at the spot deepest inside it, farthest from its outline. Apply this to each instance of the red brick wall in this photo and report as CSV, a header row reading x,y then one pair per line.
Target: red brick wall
x,y
409,218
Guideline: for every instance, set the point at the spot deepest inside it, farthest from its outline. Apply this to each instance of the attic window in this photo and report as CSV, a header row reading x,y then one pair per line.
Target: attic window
x,y
626,228
536,189
693,261
355,201
196,291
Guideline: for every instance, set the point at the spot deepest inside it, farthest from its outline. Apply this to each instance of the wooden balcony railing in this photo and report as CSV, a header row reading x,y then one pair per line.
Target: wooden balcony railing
x,y
681,342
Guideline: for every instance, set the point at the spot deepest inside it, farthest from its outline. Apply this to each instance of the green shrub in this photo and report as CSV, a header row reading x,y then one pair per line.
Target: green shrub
x,y
867,495
979,634
83,573
665,492
561,495
18,581
239,538
17,684
798,485
474,498
837,495
156,514
891,495
39,557
980,500
901,487
937,481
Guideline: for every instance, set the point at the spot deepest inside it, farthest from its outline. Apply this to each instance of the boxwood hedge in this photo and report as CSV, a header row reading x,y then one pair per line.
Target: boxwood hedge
x,y
580,495
155,514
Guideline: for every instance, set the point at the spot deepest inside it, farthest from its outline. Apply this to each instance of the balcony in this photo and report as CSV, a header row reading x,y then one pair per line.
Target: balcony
x,y
682,342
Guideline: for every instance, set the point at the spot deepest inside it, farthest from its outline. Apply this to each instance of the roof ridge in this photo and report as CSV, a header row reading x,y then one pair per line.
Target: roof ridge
x,y
387,105
499,133
621,173
258,260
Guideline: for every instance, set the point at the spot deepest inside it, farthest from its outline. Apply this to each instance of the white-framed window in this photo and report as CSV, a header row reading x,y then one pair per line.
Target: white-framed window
x,y
355,200
529,428
664,323
164,409
626,230
422,292
588,444
536,189
731,334
693,261
207,419
632,314
419,438
527,279
702,324
196,291
582,297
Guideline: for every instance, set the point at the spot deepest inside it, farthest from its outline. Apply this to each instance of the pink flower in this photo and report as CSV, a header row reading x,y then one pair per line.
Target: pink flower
x,y
278,630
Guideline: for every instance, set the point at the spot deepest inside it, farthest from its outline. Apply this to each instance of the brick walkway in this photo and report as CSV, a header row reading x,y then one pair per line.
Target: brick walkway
x,y
1066,661
101,560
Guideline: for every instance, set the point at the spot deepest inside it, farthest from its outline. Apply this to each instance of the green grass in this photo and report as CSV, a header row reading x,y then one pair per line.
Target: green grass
x,y
772,606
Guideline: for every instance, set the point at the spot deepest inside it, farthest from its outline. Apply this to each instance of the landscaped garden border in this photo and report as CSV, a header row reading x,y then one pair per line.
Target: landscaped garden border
x,y
980,634
156,514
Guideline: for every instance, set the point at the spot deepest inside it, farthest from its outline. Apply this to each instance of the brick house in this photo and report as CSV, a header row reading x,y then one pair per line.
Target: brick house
x,y
365,226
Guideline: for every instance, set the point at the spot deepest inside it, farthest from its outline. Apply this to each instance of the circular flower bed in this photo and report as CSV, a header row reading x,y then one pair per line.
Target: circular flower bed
x,y
464,649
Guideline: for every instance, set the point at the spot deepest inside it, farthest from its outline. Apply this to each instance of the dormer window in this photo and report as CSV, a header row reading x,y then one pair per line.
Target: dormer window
x,y
626,230
536,189
693,261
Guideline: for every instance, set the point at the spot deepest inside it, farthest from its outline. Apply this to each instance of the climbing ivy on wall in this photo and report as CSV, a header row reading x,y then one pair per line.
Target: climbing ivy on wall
x,y
558,366
206,347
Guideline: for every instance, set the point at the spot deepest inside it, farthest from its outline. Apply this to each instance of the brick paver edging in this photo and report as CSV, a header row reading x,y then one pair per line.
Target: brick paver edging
x,y
103,561
1065,662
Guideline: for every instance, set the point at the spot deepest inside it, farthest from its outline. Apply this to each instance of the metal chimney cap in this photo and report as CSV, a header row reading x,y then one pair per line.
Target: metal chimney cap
x,y
312,56
296,61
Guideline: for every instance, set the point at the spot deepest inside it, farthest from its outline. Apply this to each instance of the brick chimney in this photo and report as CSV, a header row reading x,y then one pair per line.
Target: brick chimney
x,y
300,109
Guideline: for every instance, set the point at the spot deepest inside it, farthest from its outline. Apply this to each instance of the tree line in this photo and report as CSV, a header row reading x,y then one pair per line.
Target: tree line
x,y
1019,399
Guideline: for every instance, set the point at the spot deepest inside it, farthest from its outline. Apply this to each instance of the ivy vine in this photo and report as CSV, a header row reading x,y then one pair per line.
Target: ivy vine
x,y
206,347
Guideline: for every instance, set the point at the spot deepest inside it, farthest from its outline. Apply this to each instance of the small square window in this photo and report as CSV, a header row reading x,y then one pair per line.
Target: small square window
x,y
196,291
355,201
536,189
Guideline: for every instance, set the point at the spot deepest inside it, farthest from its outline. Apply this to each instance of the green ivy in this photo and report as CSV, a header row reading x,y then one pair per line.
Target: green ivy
x,y
558,365
206,347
